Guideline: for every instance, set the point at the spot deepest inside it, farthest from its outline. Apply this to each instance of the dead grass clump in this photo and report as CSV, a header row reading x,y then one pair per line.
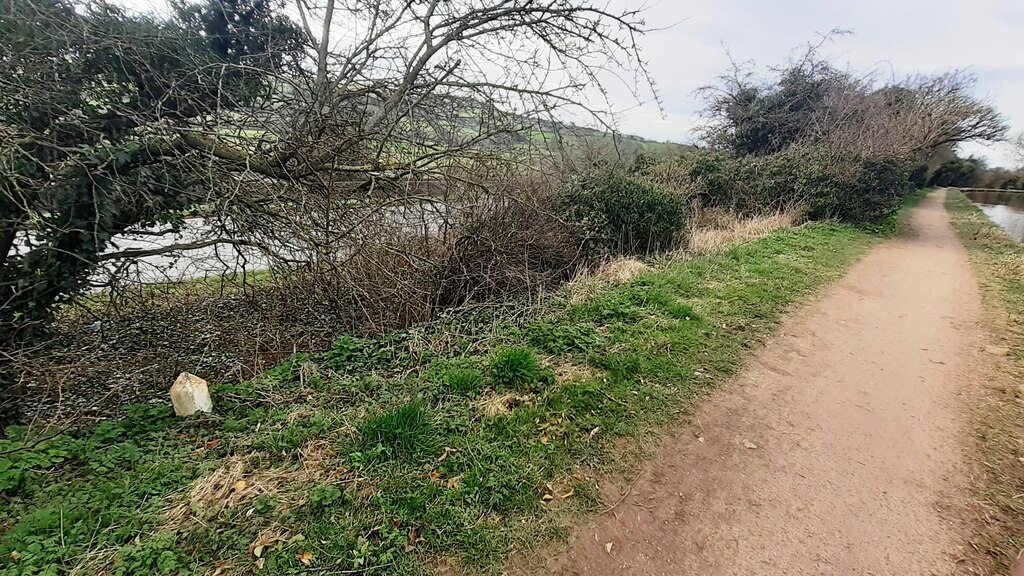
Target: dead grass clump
x,y
589,285
621,270
494,404
240,481
585,288
569,372
223,488
716,230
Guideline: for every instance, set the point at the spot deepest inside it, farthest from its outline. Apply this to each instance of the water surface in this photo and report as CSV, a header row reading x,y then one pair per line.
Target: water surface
x,y
1004,208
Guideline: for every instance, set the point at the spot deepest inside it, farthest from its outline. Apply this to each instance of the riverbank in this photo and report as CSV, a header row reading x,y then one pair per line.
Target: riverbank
x,y
998,262
454,443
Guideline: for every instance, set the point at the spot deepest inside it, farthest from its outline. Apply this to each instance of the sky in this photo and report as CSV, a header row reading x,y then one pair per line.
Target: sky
x,y
896,37
687,48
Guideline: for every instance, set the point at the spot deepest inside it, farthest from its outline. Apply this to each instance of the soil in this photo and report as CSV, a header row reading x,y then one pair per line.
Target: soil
x,y
842,448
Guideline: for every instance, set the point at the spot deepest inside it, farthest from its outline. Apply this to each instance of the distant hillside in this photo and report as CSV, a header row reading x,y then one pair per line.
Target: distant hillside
x,y
626,144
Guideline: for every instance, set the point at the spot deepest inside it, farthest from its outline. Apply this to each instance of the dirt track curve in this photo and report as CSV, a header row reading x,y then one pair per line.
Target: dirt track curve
x,y
857,409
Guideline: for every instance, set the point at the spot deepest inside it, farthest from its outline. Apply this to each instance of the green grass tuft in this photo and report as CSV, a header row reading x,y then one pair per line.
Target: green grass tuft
x,y
404,431
463,380
515,367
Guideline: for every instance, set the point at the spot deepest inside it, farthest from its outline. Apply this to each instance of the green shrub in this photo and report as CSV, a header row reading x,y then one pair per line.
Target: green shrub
x,y
634,215
515,367
404,431
831,185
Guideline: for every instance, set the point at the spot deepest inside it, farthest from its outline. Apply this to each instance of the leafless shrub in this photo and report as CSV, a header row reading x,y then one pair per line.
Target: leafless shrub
x,y
509,247
916,115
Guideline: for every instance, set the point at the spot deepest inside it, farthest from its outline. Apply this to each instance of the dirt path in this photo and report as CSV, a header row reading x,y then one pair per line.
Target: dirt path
x,y
857,412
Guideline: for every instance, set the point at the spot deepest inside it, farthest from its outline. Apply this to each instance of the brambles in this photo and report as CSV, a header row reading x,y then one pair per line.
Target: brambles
x,y
506,247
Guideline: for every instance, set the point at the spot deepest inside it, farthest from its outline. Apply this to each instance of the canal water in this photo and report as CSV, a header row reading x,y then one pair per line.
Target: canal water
x,y
1004,208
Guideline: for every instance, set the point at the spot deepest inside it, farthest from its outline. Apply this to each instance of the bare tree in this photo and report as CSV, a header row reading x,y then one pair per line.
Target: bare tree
x,y
1017,149
811,101
917,115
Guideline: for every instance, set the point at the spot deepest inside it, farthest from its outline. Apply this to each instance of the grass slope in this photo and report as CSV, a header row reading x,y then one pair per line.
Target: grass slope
x,y
999,264
452,444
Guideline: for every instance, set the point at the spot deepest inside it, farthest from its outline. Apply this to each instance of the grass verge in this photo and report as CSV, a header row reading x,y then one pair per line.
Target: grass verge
x,y
452,444
998,262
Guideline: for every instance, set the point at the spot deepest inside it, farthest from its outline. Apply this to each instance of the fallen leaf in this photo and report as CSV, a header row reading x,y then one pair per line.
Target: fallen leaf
x,y
414,537
262,543
437,473
239,486
454,482
543,439
547,497
749,444
306,557
608,547
260,563
15,556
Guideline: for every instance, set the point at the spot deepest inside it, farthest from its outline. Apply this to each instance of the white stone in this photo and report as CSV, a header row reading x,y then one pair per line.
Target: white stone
x,y
190,394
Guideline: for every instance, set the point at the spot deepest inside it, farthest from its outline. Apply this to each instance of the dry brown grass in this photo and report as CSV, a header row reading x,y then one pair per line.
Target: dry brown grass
x,y
494,404
241,480
569,372
591,284
621,270
716,231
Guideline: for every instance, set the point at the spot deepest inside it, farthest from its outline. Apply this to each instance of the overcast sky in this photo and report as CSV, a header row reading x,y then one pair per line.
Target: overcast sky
x,y
897,36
